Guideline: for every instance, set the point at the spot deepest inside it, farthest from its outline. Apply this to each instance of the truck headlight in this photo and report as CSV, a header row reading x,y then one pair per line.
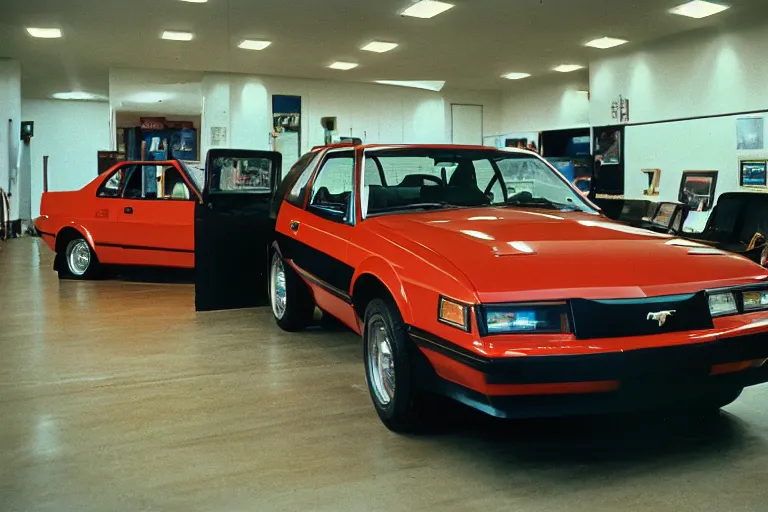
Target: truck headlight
x,y
534,318
722,303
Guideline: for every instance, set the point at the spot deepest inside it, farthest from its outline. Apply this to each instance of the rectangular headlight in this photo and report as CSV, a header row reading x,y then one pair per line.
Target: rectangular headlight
x,y
527,318
755,301
453,313
723,303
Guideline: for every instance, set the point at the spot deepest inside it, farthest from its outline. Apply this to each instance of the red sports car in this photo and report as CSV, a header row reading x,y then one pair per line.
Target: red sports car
x,y
136,213
524,303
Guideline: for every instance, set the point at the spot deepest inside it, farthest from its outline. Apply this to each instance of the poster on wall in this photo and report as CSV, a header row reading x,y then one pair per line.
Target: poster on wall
x,y
752,173
286,128
750,133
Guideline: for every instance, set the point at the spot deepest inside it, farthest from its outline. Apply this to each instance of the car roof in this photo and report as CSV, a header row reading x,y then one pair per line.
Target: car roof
x,y
420,146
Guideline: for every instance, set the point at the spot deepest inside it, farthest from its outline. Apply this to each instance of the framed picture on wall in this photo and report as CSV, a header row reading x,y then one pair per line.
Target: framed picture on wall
x,y
749,133
752,173
697,190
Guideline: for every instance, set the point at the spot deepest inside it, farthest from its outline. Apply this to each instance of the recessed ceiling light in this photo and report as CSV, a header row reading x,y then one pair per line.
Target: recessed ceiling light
x,y
426,9
515,76
567,68
604,43
429,85
177,36
698,9
250,44
344,66
79,96
379,47
44,33
195,1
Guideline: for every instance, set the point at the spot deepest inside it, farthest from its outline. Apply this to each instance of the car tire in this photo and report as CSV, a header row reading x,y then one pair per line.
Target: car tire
x,y
78,260
388,368
290,298
713,404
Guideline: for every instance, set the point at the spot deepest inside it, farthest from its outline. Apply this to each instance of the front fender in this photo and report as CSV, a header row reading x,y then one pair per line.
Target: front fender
x,y
384,272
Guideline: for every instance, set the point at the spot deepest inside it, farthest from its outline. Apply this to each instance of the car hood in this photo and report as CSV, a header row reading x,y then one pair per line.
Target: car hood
x,y
514,254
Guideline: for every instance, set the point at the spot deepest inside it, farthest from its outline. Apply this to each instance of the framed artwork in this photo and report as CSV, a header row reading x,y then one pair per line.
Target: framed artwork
x,y
654,176
752,173
697,190
749,133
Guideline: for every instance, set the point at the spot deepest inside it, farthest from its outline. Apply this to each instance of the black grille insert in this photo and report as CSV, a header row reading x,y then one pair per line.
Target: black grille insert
x,y
630,317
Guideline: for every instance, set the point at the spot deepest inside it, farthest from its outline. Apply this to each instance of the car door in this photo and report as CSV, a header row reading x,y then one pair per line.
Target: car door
x,y
157,226
103,219
314,238
233,228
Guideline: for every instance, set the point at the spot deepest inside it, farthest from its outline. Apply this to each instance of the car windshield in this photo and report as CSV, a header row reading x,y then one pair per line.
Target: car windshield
x,y
403,179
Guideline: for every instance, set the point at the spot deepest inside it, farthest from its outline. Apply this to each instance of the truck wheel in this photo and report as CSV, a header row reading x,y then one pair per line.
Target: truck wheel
x,y
291,300
78,261
388,369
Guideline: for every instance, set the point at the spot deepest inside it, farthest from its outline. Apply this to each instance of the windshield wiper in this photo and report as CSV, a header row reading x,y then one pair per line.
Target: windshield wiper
x,y
416,206
540,202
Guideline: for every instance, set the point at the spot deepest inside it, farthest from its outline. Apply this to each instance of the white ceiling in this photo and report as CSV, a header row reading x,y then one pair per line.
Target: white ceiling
x,y
469,46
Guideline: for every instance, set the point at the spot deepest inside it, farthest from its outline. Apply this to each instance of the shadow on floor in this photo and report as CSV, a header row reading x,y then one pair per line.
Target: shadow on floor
x,y
160,275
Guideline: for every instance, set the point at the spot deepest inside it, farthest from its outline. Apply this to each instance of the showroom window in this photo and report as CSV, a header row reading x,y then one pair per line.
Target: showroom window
x,y
332,189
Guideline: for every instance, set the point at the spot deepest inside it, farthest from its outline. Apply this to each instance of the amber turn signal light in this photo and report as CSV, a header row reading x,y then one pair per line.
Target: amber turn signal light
x,y
453,313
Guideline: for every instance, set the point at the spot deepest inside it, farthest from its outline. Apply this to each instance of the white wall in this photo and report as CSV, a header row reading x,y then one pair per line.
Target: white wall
x,y
376,113
704,74
70,133
696,145
538,107
10,108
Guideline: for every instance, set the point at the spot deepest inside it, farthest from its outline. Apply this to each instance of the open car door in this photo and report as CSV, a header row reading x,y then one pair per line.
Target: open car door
x,y
233,228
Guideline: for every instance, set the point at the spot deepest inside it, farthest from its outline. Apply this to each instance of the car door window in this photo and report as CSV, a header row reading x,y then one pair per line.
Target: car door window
x,y
152,182
299,186
112,186
332,190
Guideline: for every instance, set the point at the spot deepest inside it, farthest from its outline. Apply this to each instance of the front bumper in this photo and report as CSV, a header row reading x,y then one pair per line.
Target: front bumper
x,y
556,385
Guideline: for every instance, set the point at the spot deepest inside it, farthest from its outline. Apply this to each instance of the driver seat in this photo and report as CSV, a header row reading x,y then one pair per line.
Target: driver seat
x,y
465,179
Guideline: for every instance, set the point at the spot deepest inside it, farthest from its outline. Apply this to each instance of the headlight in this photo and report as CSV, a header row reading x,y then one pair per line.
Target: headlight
x,y
453,313
754,301
527,318
721,304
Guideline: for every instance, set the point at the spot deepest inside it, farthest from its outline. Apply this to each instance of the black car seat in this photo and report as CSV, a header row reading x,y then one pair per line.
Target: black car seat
x,y
464,182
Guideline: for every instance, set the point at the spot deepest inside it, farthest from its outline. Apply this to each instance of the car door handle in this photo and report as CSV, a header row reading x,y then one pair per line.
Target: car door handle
x,y
128,210
294,225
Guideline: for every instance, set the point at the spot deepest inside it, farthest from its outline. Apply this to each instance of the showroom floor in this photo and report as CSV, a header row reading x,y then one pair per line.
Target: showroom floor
x,y
115,395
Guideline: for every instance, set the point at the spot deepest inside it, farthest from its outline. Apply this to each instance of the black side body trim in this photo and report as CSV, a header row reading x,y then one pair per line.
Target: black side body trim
x,y
326,269
143,248
325,286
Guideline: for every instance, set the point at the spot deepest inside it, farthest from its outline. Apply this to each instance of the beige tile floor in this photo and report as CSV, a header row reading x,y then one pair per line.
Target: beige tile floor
x,y
116,396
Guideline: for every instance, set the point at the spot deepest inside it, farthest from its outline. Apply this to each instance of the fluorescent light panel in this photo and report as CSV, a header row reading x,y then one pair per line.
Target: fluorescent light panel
x,y
195,1
344,66
426,9
429,85
44,33
79,96
177,36
515,76
698,9
567,68
379,47
604,43
250,44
